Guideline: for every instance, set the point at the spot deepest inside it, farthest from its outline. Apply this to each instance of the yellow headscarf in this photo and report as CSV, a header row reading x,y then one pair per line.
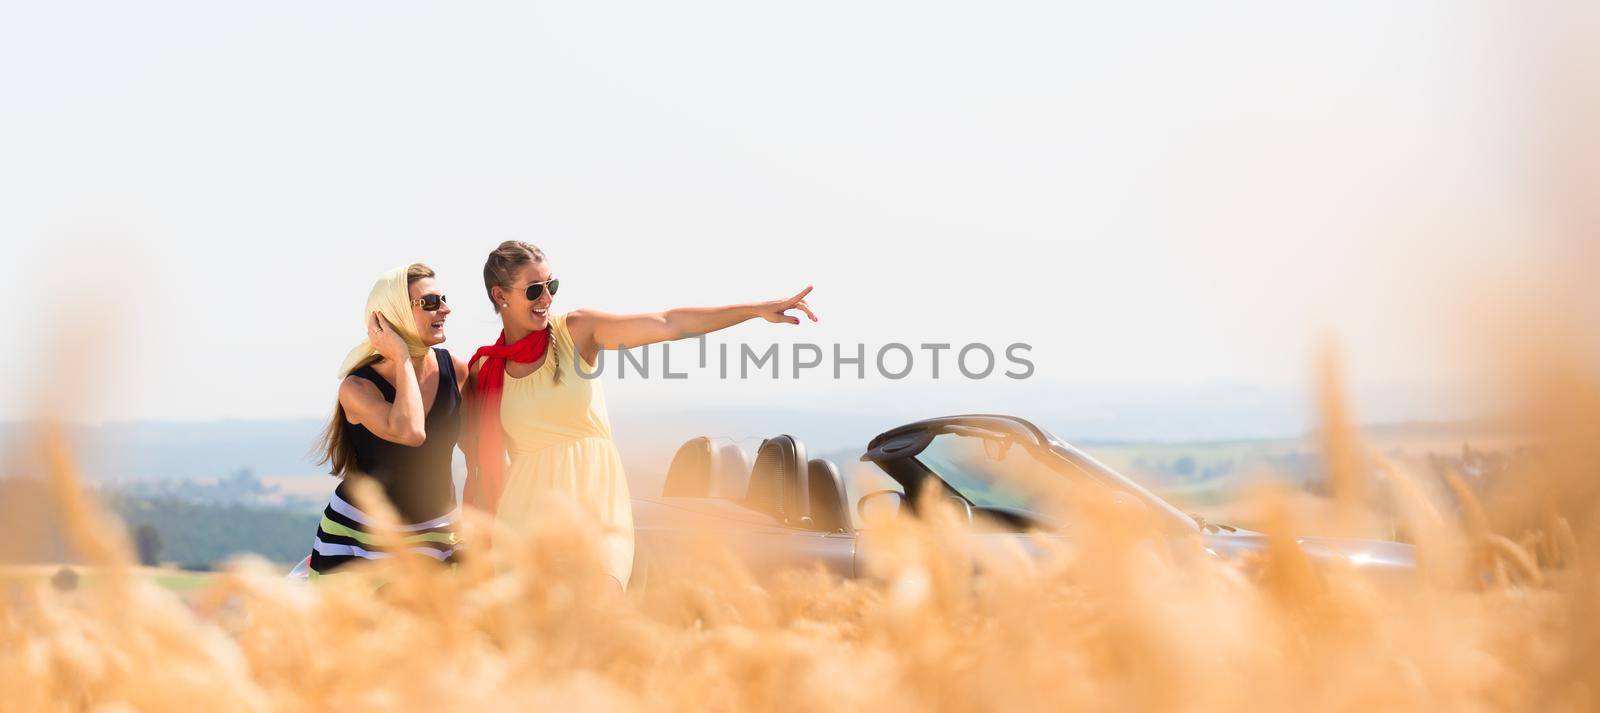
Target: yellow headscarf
x,y
390,296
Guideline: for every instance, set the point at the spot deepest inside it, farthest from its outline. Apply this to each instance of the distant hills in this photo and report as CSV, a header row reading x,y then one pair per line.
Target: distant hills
x,y
277,448
257,480
177,450
647,434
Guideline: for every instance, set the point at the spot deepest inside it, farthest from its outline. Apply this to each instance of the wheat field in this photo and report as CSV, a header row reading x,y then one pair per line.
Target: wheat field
x,y
1500,615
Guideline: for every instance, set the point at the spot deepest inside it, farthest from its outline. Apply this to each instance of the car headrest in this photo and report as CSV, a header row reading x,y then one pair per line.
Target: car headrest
x,y
830,510
730,472
778,481
689,475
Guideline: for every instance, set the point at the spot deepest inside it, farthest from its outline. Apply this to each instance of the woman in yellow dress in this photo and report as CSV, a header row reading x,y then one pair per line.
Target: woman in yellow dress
x,y
554,436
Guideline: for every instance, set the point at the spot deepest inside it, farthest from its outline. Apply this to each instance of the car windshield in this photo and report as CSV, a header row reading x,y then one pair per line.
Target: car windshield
x,y
995,477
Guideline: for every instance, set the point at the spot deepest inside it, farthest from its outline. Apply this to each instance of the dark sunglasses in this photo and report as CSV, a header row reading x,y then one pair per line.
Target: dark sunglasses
x,y
537,288
430,302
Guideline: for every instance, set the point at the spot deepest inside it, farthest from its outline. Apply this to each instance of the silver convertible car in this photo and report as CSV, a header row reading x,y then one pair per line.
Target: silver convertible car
x,y
786,510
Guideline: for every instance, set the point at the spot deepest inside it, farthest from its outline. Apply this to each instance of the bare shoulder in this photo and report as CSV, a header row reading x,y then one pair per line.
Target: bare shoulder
x,y
357,395
579,316
356,386
586,315
580,323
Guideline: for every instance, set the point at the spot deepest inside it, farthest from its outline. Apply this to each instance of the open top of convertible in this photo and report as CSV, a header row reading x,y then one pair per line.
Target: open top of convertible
x,y
986,462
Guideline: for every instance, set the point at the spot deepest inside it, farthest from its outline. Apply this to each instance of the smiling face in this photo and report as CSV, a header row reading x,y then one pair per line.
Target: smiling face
x,y
517,312
430,325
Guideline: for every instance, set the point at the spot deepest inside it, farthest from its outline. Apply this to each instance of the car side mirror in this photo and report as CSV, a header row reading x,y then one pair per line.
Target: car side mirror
x,y
880,504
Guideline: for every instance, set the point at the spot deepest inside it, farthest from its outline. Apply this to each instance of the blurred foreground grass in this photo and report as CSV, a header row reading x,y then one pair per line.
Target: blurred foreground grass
x,y
1499,616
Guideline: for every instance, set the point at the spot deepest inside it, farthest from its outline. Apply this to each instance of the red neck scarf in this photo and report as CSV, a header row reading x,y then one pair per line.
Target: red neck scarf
x,y
483,486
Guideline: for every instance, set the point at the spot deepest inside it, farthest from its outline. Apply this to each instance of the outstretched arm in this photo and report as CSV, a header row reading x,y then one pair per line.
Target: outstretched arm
x,y
591,331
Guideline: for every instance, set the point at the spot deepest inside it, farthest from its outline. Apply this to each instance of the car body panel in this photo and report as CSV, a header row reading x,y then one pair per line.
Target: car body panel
x,y
665,527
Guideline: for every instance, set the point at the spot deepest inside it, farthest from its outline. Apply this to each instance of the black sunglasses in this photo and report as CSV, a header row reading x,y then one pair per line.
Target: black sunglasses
x,y
537,288
430,302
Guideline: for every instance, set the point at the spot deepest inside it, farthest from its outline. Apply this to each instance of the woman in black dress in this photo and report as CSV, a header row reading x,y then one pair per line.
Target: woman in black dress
x,y
396,421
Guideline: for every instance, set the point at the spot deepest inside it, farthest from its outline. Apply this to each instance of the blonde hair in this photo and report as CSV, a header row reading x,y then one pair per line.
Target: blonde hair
x,y
331,445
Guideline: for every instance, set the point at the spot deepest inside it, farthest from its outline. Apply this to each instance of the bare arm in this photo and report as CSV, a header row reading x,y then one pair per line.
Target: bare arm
x,y
591,330
398,422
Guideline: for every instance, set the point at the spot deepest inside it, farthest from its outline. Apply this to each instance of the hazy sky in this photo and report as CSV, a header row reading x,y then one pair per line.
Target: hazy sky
x,y
1149,193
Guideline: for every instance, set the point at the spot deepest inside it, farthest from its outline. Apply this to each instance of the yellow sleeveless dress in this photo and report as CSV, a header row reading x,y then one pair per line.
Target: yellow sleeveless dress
x,y
559,441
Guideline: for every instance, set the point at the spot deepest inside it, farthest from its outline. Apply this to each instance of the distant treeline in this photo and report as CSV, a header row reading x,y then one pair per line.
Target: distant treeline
x,y
192,534
241,487
1292,466
199,535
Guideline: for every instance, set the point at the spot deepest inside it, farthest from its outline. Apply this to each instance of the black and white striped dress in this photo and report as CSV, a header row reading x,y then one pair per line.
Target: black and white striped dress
x,y
345,534
415,479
